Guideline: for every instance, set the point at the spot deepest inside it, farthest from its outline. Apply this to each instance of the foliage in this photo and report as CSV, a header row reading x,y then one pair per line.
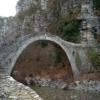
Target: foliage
x,y
97,4
68,30
67,26
95,58
71,31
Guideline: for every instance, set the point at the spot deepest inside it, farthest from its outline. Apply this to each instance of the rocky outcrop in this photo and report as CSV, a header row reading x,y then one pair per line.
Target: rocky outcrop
x,y
45,12
46,16
13,90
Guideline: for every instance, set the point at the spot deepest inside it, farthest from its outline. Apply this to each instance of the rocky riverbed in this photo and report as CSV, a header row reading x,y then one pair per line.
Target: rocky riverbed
x,y
86,85
48,90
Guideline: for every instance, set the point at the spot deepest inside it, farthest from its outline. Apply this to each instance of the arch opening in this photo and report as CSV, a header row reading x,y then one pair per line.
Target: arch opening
x,y
42,60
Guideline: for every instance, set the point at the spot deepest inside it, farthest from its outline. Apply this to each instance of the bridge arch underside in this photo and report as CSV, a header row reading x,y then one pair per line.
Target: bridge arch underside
x,y
42,59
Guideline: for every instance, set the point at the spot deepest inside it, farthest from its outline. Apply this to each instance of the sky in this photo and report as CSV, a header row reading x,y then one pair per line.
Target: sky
x,y
8,7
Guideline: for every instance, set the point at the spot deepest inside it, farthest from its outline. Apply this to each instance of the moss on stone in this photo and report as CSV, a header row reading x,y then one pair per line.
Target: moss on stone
x,y
94,57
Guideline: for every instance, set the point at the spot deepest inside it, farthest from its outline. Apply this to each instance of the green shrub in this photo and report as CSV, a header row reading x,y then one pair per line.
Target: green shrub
x,y
97,4
71,31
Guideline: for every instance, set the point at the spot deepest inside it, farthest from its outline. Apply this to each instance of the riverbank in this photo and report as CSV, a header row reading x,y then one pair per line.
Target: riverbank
x,y
89,83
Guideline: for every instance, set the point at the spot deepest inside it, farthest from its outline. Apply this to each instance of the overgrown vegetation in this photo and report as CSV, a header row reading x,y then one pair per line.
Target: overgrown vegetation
x,y
67,26
68,30
71,31
97,4
70,27
97,7
94,57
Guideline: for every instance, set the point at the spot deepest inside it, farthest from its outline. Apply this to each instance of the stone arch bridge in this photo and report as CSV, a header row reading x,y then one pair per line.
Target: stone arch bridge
x,y
76,53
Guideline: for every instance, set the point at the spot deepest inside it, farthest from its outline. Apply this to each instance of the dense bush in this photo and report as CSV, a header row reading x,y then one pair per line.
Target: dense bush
x,y
65,25
67,29
97,4
71,31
